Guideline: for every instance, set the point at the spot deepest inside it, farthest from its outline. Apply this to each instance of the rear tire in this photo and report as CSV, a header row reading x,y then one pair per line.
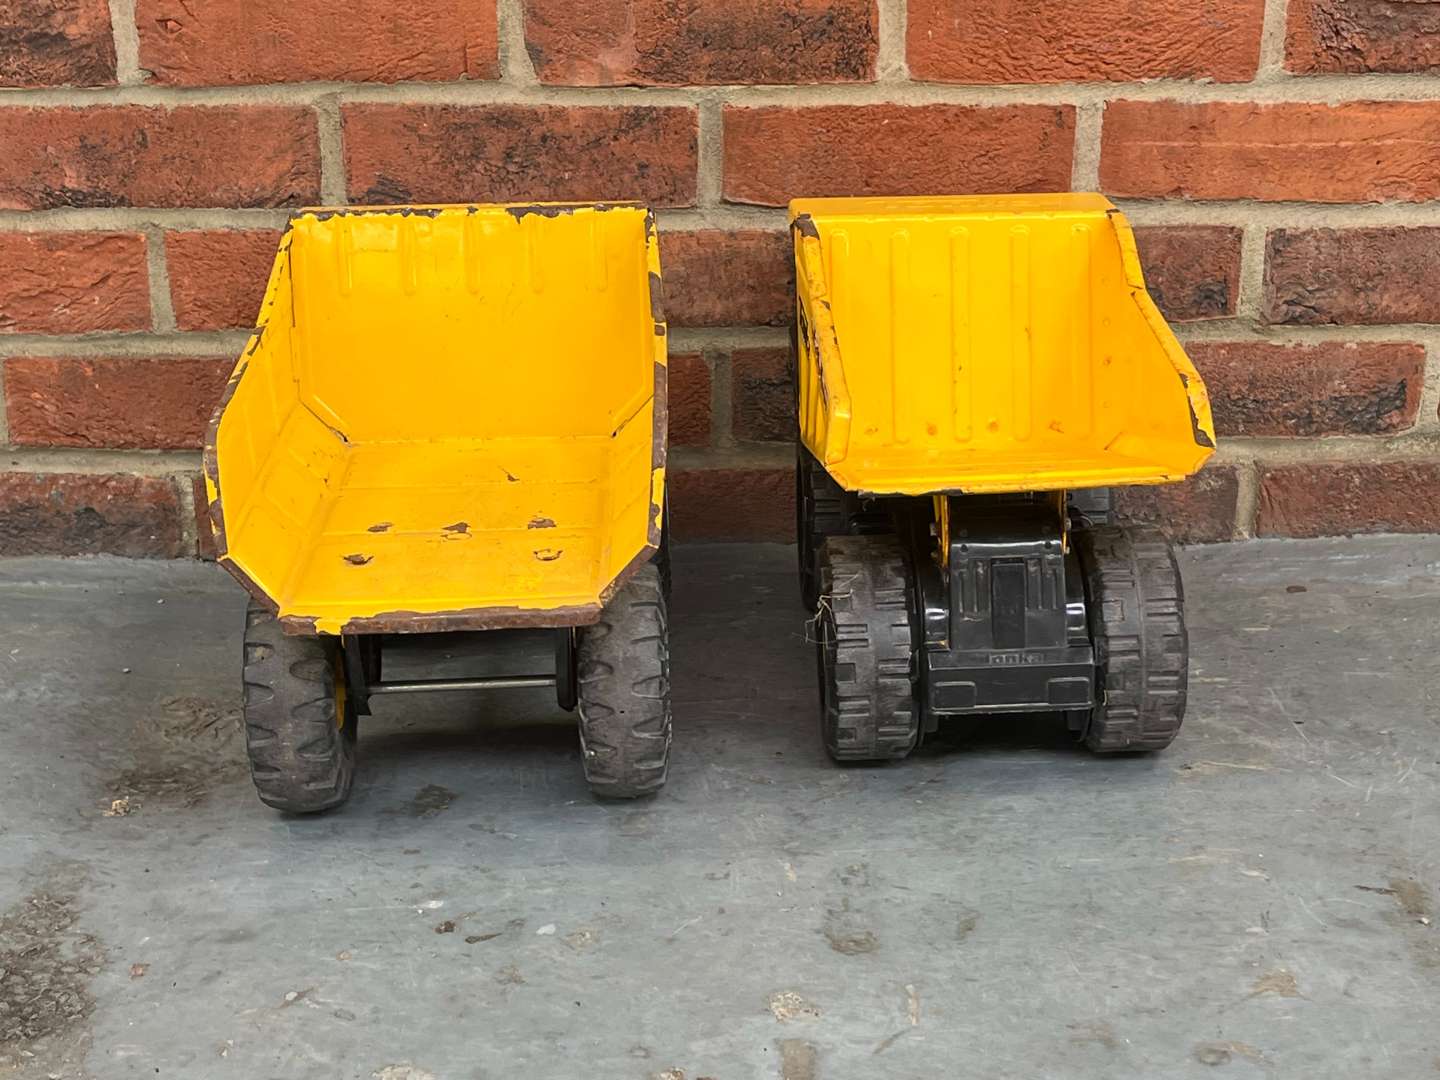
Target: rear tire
x,y
1137,623
624,689
300,726
866,642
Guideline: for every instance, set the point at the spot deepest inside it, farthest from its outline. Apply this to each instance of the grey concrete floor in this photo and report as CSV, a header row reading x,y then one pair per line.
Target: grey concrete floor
x,y
1257,902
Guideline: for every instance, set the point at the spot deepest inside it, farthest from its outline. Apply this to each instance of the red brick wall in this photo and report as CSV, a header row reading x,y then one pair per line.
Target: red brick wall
x,y
1281,161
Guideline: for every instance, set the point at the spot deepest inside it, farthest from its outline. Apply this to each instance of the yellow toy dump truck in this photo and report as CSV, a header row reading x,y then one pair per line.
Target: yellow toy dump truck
x,y
449,418
970,371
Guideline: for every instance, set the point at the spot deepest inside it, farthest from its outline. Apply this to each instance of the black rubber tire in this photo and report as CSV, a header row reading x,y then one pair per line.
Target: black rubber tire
x,y
1142,651
865,637
624,677
1092,507
299,738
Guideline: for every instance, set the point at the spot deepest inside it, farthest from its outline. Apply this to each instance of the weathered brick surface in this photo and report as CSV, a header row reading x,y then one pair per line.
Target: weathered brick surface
x,y
1352,276
56,43
1200,510
1324,499
719,278
1357,36
665,43
218,276
133,155
1192,271
463,153
689,400
1332,388
763,392
1049,41
1355,152
73,283
733,504
273,41
82,514
125,403
773,154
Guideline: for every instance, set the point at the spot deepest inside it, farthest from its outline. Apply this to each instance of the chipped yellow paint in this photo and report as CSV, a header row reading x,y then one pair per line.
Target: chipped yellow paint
x,y
987,344
447,411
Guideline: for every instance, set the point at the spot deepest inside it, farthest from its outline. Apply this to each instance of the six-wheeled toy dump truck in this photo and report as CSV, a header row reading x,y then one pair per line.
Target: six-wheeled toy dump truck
x,y
970,372
449,418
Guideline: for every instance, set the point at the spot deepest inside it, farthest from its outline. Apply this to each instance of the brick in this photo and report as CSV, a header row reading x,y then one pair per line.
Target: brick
x,y
719,278
1355,36
1352,276
689,391
73,283
128,403
763,395
1193,272
56,43
733,504
81,514
465,153
1200,510
1333,388
277,41
218,277
701,42
1329,499
1050,41
1363,151
134,155
773,154
205,546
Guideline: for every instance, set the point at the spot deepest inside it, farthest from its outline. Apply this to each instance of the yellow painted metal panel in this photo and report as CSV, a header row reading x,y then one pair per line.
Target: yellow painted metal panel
x,y
448,417
987,344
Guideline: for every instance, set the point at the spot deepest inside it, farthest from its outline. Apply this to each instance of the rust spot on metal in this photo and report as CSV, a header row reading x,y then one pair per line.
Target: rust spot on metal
x,y
380,526
460,527
370,211
1201,438
657,298
548,554
358,559
805,226
491,618
659,329
519,213
299,624
538,522
509,475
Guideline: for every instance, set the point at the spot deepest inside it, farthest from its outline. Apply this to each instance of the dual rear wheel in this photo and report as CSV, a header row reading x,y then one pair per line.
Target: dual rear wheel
x,y
866,632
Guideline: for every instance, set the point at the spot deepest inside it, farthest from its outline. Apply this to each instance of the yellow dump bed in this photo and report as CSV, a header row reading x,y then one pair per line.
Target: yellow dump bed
x,y
987,344
448,418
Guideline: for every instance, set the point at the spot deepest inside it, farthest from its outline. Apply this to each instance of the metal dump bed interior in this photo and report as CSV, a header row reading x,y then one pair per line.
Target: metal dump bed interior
x,y
987,344
448,418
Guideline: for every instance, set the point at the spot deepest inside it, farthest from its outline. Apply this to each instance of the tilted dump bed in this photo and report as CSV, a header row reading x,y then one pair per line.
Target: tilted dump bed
x,y
987,344
448,418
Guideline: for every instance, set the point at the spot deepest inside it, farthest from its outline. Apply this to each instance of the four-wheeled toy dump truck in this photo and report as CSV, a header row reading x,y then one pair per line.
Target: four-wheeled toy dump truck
x,y
449,418
971,372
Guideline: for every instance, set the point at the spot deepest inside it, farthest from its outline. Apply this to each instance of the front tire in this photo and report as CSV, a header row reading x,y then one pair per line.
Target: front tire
x,y
300,727
624,690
